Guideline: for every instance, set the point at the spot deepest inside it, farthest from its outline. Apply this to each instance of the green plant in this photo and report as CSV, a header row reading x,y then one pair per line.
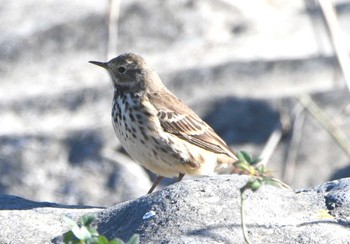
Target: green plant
x,y
83,233
259,176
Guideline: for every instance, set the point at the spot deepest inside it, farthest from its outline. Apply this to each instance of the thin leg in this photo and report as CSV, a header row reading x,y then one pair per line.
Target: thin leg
x,y
179,178
155,183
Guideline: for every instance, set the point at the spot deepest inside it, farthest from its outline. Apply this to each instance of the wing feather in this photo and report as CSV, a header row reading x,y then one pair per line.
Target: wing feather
x,y
184,123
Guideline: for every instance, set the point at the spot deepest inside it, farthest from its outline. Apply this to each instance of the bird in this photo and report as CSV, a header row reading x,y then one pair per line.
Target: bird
x,y
156,128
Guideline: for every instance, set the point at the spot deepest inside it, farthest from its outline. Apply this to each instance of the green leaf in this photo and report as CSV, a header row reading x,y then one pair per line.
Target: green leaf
x,y
255,161
68,237
135,239
93,240
103,240
114,241
82,233
117,241
87,219
244,156
89,235
255,185
93,231
69,221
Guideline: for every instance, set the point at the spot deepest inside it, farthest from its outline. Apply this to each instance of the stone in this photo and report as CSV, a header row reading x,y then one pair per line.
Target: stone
x,y
25,221
206,210
220,57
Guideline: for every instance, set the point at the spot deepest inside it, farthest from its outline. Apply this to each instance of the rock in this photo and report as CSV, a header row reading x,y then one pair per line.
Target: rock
x,y
221,57
83,173
337,198
25,221
205,210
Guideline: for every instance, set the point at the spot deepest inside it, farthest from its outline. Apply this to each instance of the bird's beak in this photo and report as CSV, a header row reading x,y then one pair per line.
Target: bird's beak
x,y
101,64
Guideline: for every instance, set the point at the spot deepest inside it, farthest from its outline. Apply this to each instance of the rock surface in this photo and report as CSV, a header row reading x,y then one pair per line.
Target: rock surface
x,y
205,210
25,221
234,64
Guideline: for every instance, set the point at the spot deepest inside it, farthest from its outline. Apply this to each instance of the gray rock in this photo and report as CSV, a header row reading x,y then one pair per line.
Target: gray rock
x,y
227,60
25,221
220,57
337,198
194,211
82,172
207,210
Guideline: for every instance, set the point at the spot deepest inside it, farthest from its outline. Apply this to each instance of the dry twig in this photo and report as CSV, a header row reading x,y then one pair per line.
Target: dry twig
x,y
289,169
270,146
337,38
338,135
113,15
281,128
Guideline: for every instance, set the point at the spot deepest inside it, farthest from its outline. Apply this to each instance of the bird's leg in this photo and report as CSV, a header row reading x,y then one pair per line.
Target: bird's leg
x,y
179,178
155,183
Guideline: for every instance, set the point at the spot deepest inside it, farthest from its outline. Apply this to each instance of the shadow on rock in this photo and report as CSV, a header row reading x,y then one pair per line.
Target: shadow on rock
x,y
9,202
341,173
84,145
243,120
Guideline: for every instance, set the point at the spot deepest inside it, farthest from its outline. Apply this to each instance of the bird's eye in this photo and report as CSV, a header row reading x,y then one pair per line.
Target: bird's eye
x,y
121,69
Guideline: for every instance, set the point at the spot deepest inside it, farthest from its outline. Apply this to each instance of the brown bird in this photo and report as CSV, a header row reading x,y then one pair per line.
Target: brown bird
x,y
156,128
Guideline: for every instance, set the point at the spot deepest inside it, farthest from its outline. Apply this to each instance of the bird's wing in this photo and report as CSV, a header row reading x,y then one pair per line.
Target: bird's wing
x,y
178,119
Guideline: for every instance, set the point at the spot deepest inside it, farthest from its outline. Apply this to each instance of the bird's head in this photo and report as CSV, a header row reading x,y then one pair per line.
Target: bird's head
x,y
130,72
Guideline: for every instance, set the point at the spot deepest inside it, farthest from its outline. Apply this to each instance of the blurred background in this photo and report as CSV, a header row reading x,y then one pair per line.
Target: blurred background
x,y
264,74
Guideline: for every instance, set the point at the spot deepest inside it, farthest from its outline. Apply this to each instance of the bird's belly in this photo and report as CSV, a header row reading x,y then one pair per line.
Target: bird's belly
x,y
143,138
145,153
157,159
142,144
